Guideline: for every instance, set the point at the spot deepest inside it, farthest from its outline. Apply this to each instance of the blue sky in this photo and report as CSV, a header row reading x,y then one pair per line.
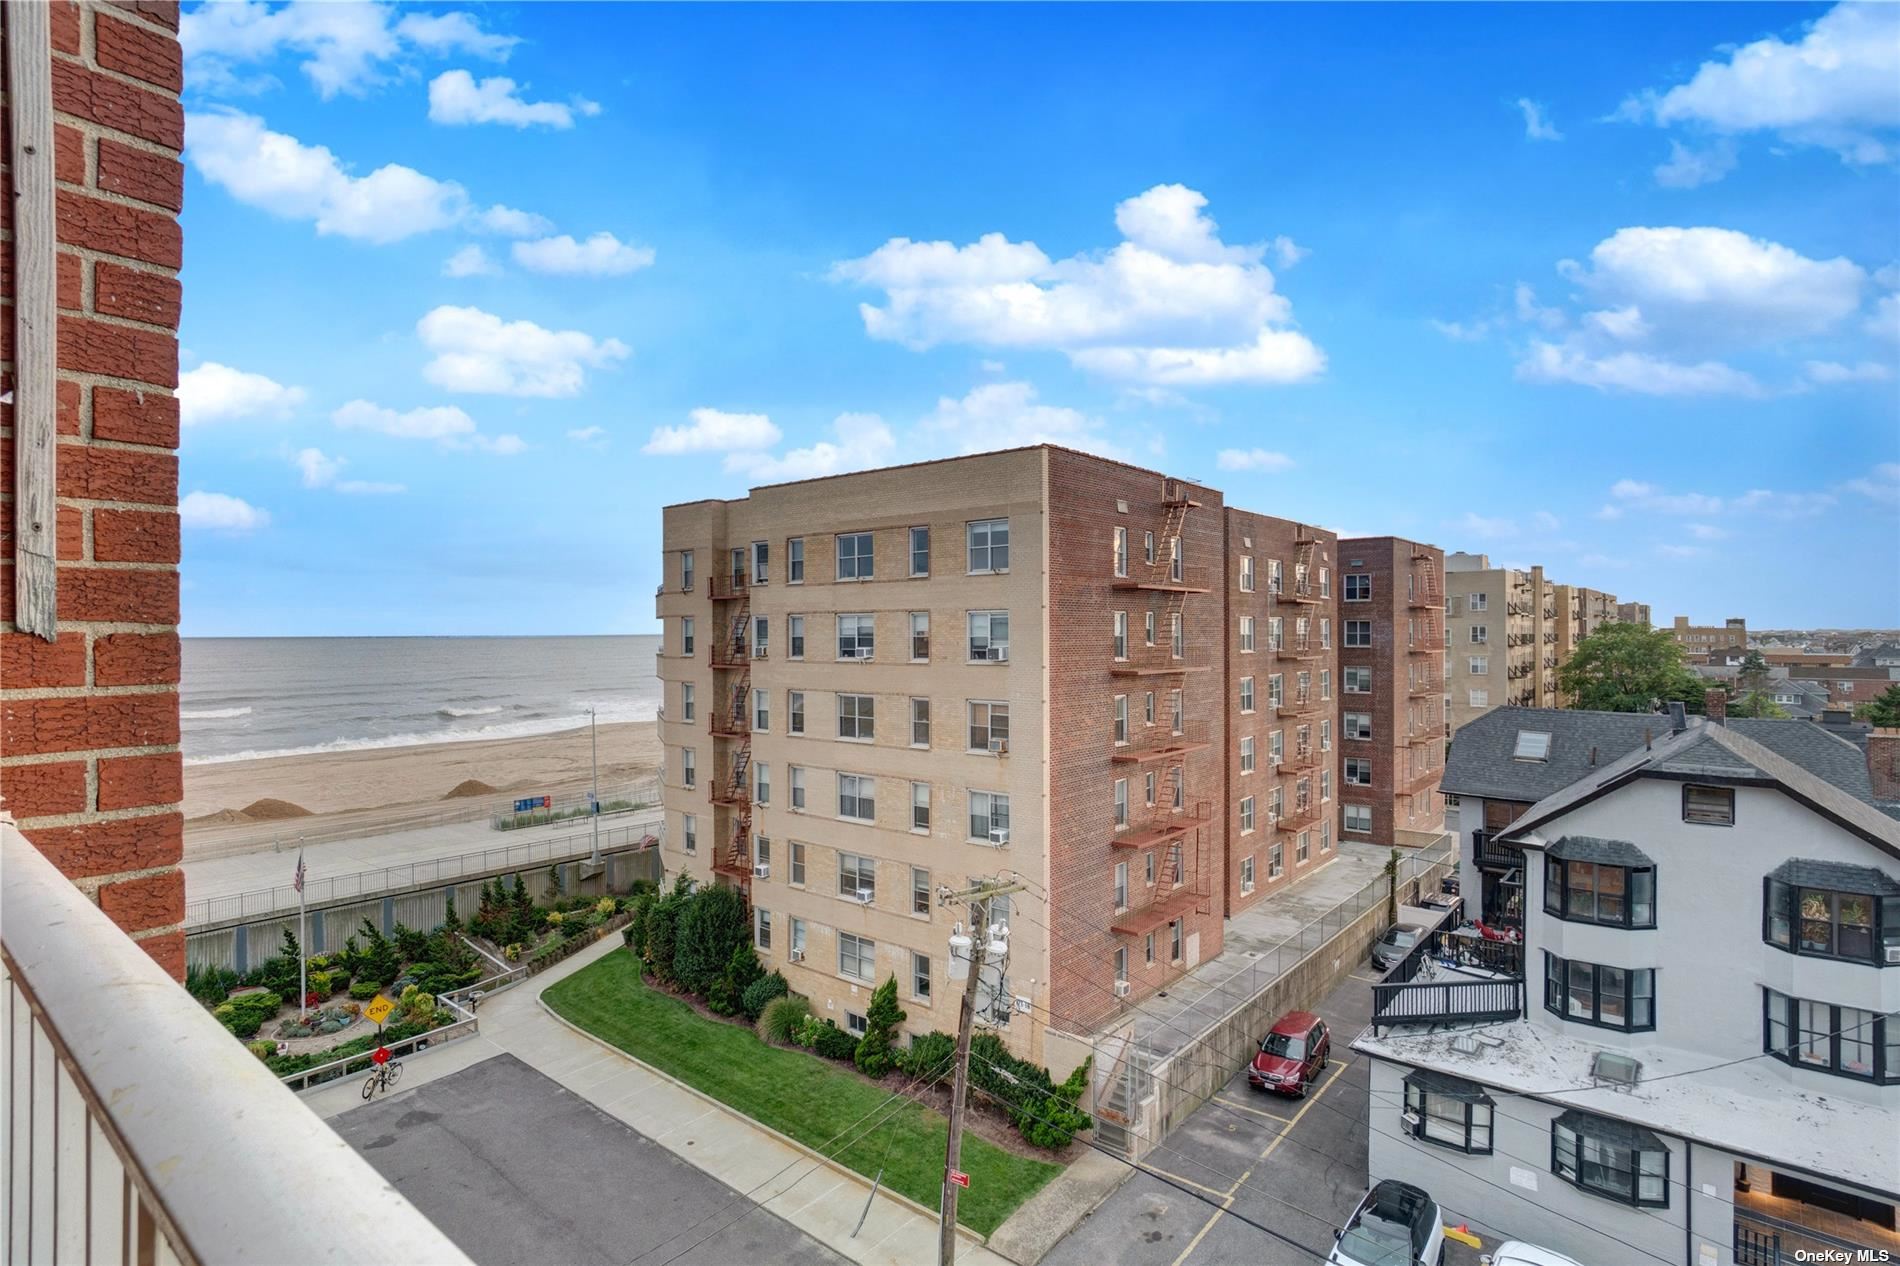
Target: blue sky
x,y
471,292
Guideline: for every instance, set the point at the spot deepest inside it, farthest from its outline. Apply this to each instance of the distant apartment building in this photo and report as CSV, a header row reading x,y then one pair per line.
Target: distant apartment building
x,y
1849,685
1392,687
1699,639
1633,613
1502,647
1581,611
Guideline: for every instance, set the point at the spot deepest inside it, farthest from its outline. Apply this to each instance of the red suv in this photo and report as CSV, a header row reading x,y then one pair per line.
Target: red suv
x,y
1292,1054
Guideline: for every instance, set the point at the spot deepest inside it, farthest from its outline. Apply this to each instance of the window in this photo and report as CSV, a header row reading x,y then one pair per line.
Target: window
x,y
920,635
1246,815
1276,749
1246,635
795,636
1148,949
688,701
920,976
1325,583
761,636
1610,1158
686,570
857,636
1600,892
1302,848
1246,694
1246,755
1121,803
1713,806
794,712
1326,734
857,957
1121,965
1148,867
1148,628
1532,745
1148,548
762,928
1356,725
1591,993
1177,635
1148,788
686,635
795,775
1325,833
795,561
1121,886
920,806
761,554
689,832
797,875
1174,559
1276,691
857,877
857,717
989,635
1325,787
989,545
689,773
1121,720
1273,575
855,1023
920,551
1177,783
1446,1110
920,891
1831,910
1276,861
1845,1041
857,797
797,929
1478,698
1325,633
1246,874
1356,681
1480,665
989,816
1480,602
1358,634
1358,587
1479,635
1121,551
762,783
1357,771
1120,634
1176,710
854,556
920,723
1246,573
761,710
1174,941
1148,708
1358,818
989,726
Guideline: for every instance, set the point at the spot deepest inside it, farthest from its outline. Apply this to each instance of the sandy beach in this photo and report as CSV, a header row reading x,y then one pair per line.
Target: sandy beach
x,y
391,788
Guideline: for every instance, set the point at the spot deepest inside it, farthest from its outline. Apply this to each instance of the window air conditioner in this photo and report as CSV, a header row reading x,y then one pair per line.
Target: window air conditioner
x,y
999,746
797,956
762,871
1410,1120
863,898
1121,989
862,652
999,835
1893,953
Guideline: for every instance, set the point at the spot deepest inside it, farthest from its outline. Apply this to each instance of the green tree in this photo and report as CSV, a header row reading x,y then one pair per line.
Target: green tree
x,y
1628,668
1752,676
877,1049
662,928
1758,703
712,925
1883,711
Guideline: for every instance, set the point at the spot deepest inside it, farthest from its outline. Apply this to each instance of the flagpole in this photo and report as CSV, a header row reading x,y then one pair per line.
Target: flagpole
x,y
303,951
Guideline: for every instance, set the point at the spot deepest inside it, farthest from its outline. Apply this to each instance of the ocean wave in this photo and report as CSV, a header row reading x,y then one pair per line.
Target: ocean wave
x,y
468,712
504,730
212,714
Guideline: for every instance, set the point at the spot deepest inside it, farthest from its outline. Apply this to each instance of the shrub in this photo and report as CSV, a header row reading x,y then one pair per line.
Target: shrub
x,y
834,1043
929,1058
1043,1113
875,1054
662,929
211,985
756,995
727,995
411,945
364,990
246,1013
607,907
712,924
378,960
780,1018
263,1048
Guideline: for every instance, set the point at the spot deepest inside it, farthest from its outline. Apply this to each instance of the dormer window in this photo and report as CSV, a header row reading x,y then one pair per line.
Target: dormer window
x,y
1532,745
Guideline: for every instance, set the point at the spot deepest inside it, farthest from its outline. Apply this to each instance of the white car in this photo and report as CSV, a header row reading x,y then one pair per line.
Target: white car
x,y
1518,1253
1396,1224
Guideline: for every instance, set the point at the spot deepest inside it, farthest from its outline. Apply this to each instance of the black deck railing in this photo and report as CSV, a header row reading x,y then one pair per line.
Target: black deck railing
x,y
1488,852
1756,1248
1446,1001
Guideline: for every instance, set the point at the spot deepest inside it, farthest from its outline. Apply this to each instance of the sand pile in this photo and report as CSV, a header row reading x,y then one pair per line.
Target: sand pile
x,y
268,810
470,787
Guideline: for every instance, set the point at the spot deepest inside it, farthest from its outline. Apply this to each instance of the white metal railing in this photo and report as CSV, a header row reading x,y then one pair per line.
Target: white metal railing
x,y
263,902
139,1131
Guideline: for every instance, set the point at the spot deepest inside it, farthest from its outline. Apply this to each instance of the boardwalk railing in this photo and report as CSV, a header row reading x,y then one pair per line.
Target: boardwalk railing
x,y
122,1092
262,902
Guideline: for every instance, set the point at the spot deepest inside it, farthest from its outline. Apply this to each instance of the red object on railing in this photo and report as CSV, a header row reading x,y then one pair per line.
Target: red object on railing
x,y
382,1055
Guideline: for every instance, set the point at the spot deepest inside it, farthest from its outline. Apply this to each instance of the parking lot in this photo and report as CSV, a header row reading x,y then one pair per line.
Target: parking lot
x,y
1296,1167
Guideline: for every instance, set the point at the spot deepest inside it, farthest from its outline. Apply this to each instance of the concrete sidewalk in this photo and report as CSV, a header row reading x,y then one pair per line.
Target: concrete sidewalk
x,y
790,1180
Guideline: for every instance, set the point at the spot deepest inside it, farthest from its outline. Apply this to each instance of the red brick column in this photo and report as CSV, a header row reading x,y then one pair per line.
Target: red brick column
x,y
89,759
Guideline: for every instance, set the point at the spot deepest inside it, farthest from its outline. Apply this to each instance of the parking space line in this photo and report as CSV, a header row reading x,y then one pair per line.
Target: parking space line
x,y
1241,1107
1369,980
1186,1182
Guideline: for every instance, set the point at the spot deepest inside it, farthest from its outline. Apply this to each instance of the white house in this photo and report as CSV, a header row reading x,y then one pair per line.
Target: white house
x,y
1698,1060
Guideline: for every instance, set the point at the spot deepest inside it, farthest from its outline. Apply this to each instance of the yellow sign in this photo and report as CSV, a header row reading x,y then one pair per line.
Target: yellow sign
x,y
378,1010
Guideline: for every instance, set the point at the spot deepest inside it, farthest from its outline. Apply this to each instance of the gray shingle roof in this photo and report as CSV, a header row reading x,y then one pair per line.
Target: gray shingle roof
x,y
1481,762
1591,848
1810,873
1821,753
1706,758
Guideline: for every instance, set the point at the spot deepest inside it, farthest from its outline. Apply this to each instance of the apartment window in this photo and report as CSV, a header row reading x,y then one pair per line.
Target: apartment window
x,y
1148,548
1120,634
920,551
857,797
1121,551
1356,681
1844,1041
854,556
795,561
1358,771
989,545
689,773
1302,848
761,636
686,635
1478,698
920,976
1480,665
1358,587
1275,640
920,806
1479,635
857,877
795,636
1358,634
688,701
1246,635
1276,690
1246,573
762,928
989,816
1325,787
761,554
1246,694
1276,749
1480,602
989,635
795,775
762,782
1174,559
1246,814
1592,993
1148,628
794,712
1174,941
1600,892
1148,867
989,726
797,929
1148,949
1810,908
1246,755
686,570
857,636
1610,1158
797,875
761,710
1325,835
1121,719
1325,633
1148,708
1273,575
855,1023
1148,788
1712,806
1246,874
1177,635
1356,725
857,717
1326,734
1178,785
920,890
1448,1111
1358,818
857,957
689,832
1121,803
920,723
919,635
1325,583
1276,861
1121,886
1121,965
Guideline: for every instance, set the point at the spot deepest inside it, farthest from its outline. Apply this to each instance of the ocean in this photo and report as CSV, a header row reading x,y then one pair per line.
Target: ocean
x,y
245,697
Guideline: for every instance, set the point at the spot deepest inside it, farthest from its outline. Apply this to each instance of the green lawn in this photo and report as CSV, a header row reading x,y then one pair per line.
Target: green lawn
x,y
793,1091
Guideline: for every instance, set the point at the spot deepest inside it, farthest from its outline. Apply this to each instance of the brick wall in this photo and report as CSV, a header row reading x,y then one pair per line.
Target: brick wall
x,y
89,758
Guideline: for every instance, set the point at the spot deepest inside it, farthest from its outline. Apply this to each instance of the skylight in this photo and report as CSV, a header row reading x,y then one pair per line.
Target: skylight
x,y
1532,745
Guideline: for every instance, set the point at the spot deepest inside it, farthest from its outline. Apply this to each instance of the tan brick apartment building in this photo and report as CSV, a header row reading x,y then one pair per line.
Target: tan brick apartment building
x,y
1581,611
1700,639
1633,613
1503,644
1392,689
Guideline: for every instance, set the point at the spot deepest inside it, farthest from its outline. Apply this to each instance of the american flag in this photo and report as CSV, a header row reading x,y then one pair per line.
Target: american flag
x,y
297,883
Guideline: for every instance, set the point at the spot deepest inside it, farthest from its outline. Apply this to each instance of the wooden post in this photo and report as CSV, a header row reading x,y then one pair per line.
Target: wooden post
x,y
35,315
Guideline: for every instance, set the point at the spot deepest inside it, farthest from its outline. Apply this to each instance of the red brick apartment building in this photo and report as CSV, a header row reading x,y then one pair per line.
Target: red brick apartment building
x,y
1392,690
89,301
1029,663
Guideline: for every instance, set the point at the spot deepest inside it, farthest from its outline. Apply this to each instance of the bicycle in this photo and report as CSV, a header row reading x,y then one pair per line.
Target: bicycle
x,y
385,1076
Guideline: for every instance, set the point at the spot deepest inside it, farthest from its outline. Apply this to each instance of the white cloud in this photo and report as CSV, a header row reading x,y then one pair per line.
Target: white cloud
x,y
714,431
456,98
320,471
1645,496
1681,551
512,223
602,255
998,415
1692,168
1621,324
499,445
1536,126
1545,521
1252,459
1462,331
592,436
862,440
476,351
442,422
1881,484
1828,372
1708,532
1172,303
1474,524
219,512
1633,494
1832,88
1530,312
1885,321
217,393
345,45
1288,252
1632,371
1782,505
470,261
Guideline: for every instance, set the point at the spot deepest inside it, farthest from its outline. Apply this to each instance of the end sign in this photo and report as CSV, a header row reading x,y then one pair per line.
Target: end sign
x,y
960,1178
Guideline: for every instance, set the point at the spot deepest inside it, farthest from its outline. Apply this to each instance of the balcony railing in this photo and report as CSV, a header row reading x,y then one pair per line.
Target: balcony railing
x,y
1153,661
1486,851
1163,578
1298,648
1296,703
1161,826
1160,743
1442,1001
122,1147
726,588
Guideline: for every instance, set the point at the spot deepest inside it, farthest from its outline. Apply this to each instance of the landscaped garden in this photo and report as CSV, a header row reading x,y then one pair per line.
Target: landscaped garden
x,y
691,999
520,932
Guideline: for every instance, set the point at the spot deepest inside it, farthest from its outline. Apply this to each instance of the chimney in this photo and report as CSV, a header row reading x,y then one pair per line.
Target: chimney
x,y
1883,763
1715,705
1678,718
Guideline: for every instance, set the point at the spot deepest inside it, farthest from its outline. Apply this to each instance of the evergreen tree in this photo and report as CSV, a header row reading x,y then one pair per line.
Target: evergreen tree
x,y
877,1049
1883,711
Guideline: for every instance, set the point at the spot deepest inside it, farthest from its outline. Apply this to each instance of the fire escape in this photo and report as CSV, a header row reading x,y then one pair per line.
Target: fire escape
x,y
731,725
1299,701
1425,670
